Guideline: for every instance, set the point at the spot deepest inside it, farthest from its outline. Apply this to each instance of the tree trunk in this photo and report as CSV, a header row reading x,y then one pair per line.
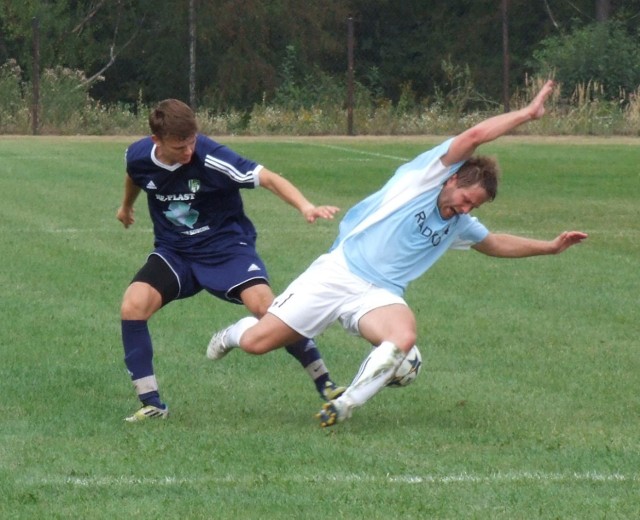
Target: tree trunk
x,y
603,9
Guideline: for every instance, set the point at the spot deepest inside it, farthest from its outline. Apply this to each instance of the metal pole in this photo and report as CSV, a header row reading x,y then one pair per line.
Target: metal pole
x,y
603,10
192,54
505,55
350,76
35,83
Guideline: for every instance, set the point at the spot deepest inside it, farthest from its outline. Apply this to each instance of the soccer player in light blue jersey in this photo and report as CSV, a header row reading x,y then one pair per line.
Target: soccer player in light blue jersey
x,y
384,242
202,239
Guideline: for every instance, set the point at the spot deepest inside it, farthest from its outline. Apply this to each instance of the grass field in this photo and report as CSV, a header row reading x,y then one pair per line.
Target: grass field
x,y
527,406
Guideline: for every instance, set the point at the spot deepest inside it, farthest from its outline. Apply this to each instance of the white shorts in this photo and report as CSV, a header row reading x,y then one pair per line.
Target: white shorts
x,y
327,292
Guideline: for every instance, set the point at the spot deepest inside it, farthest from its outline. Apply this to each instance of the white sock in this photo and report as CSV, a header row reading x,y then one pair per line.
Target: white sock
x,y
375,372
235,331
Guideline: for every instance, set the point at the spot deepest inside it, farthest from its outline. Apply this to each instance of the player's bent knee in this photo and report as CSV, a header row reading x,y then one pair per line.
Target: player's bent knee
x,y
130,311
137,305
405,340
261,310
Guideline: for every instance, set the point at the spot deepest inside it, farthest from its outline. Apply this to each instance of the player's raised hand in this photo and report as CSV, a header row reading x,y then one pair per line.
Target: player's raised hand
x,y
536,107
316,212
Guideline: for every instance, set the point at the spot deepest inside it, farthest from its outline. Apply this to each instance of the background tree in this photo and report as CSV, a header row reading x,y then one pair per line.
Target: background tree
x,y
85,35
602,54
141,47
407,41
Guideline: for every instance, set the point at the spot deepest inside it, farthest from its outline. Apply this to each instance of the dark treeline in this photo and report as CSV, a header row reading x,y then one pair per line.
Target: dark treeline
x,y
246,50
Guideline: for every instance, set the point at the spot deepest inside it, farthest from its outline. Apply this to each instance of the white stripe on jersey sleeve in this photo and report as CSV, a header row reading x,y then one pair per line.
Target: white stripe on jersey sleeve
x,y
230,171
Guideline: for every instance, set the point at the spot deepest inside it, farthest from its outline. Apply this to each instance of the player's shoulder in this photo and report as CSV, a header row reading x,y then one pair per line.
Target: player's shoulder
x,y
140,149
466,221
207,144
218,156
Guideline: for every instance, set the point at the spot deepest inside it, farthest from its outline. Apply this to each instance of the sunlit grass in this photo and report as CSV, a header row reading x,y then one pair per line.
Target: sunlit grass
x,y
527,405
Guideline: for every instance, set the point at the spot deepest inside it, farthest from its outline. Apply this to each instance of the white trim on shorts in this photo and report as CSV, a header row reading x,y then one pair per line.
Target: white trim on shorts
x,y
328,292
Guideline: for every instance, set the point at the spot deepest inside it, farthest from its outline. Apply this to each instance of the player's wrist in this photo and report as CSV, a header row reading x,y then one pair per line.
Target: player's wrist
x,y
308,209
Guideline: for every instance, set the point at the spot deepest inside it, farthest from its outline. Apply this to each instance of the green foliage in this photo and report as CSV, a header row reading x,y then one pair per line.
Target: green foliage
x,y
457,94
63,96
227,123
14,112
10,88
372,82
525,408
306,87
314,104
604,53
280,41
143,46
65,106
78,34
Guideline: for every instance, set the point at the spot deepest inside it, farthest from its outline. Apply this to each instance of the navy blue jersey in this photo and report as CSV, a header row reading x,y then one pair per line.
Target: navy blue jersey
x,y
196,208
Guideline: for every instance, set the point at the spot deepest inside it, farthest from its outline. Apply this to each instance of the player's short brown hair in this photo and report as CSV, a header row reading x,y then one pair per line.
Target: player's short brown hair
x,y
481,170
174,118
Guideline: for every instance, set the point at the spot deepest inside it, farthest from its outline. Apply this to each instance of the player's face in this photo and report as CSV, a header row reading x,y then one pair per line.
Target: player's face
x,y
454,200
172,150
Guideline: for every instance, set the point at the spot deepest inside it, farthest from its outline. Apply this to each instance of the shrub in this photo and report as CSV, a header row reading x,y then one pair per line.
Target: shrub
x,y
316,107
306,89
63,99
602,53
14,110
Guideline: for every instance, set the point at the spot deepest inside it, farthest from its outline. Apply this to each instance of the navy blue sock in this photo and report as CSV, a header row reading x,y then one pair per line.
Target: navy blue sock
x,y
306,352
138,356
152,398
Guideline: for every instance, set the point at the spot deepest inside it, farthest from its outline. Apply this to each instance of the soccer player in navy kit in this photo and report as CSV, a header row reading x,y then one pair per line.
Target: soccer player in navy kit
x,y
386,241
203,239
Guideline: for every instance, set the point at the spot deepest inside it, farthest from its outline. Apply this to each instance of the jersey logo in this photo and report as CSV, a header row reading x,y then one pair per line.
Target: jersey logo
x,y
194,185
181,214
253,267
151,185
434,235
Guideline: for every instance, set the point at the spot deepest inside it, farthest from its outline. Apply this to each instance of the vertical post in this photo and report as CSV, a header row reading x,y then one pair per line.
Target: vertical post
x,y
505,55
350,75
35,82
192,54
603,10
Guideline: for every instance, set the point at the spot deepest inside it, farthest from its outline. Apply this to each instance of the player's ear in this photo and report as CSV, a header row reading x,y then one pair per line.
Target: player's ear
x,y
156,140
452,181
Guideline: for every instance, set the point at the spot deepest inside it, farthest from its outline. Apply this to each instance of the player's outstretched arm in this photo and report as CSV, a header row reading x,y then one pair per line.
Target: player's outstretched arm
x,y
291,195
511,246
465,144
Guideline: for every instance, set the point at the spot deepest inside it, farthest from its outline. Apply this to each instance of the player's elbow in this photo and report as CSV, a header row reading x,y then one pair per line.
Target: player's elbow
x,y
476,136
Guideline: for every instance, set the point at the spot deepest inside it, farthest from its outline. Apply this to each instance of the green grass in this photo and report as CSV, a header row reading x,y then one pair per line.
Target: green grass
x,y
527,406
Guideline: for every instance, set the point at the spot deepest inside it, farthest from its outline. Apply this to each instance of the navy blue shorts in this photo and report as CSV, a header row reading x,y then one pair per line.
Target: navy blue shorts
x,y
221,275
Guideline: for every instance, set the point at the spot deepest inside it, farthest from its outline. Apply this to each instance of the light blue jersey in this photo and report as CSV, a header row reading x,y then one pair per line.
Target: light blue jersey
x,y
393,236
